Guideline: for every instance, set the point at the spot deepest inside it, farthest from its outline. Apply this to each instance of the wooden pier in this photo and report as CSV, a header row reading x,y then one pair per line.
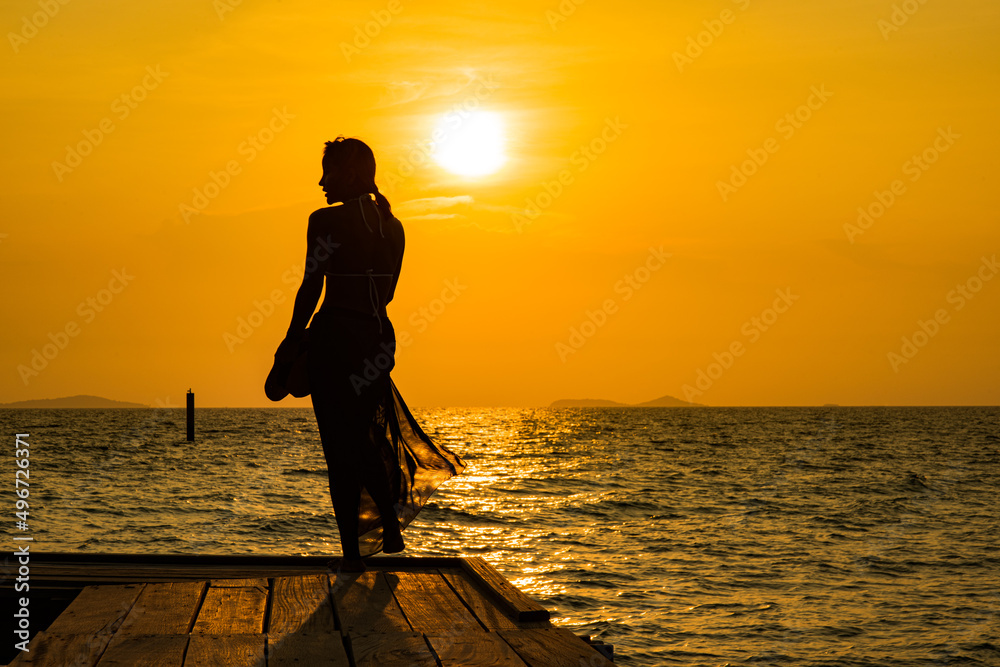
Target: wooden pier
x,y
269,611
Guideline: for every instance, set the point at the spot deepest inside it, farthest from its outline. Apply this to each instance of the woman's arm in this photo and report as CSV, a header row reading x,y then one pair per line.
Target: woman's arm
x,y
312,286
395,273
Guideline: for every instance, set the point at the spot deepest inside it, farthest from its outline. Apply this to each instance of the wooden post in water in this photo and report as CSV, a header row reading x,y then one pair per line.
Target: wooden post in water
x,y
190,415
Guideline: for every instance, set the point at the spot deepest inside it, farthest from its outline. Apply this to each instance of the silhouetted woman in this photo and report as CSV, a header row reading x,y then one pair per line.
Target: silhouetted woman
x,y
382,467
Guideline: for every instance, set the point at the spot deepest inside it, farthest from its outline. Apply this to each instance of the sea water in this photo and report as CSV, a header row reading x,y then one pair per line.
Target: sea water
x,y
709,536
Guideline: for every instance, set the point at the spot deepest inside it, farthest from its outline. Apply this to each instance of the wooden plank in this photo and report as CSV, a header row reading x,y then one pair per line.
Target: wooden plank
x,y
518,605
83,569
231,611
139,566
164,609
230,650
553,647
483,649
47,649
305,647
226,560
81,633
97,609
481,603
158,650
122,574
364,602
301,603
430,605
301,630
181,572
259,582
394,649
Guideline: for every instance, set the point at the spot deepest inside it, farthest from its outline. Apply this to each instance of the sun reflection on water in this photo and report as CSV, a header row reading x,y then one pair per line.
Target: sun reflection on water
x,y
740,529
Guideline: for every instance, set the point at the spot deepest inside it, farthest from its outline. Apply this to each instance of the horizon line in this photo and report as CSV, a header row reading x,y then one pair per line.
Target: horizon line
x,y
4,406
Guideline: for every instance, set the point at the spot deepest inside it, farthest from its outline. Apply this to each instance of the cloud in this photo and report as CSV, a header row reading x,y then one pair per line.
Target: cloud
x,y
401,92
429,86
909,257
434,216
427,204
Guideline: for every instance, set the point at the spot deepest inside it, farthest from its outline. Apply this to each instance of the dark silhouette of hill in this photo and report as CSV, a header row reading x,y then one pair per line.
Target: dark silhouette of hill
x,y
668,402
661,402
587,403
79,401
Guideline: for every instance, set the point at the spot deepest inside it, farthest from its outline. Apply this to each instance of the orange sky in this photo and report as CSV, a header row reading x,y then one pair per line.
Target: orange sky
x,y
822,106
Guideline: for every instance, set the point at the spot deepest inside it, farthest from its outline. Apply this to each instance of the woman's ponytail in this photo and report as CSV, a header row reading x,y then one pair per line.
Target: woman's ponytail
x,y
382,202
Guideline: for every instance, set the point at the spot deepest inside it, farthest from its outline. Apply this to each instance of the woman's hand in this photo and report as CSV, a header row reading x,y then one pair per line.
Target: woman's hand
x,y
289,348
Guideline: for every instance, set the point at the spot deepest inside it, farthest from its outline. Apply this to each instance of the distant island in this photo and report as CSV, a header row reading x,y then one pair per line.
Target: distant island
x,y
661,402
79,401
587,403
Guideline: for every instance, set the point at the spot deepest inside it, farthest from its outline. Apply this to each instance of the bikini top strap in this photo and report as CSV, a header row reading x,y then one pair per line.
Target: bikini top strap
x,y
364,219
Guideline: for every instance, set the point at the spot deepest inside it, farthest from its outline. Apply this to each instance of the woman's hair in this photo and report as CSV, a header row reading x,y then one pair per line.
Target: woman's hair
x,y
356,162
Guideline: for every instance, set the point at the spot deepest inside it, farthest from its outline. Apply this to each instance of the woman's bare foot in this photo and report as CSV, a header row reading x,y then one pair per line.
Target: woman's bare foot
x,y
392,542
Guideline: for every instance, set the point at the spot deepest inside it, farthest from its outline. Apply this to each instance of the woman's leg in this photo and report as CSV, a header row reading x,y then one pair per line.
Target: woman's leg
x,y
345,489
331,398
345,414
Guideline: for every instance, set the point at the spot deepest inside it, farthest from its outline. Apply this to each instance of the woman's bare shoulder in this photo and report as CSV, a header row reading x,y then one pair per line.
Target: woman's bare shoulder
x,y
326,213
327,221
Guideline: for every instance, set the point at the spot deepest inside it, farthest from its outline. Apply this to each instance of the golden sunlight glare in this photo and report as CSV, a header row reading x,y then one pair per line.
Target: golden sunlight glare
x,y
470,143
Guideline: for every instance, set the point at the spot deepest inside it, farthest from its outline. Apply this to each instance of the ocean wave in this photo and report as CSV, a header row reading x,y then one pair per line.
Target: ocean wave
x,y
777,530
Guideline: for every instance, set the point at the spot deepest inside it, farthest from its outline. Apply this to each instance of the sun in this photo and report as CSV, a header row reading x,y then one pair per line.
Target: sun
x,y
470,143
